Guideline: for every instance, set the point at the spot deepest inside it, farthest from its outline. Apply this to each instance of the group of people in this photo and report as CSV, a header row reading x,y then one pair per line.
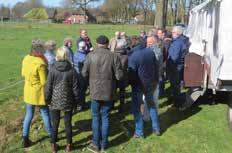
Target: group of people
x,y
56,80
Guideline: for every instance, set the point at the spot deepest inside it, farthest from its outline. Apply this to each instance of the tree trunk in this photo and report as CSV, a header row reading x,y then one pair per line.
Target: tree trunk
x,y
161,13
145,17
175,14
165,12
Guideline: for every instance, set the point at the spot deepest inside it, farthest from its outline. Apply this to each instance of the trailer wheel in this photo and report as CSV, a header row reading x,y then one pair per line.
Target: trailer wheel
x,y
191,96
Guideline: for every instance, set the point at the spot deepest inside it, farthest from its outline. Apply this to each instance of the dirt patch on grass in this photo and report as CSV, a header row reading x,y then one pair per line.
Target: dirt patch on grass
x,y
10,128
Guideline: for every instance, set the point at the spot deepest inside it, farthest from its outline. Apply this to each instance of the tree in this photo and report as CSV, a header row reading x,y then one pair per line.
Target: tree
x,y
146,6
37,14
159,16
67,14
132,9
81,4
4,12
54,15
35,3
122,10
112,10
19,10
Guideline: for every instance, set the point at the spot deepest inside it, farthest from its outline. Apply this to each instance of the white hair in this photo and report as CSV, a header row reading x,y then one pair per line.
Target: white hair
x,y
117,33
178,29
81,45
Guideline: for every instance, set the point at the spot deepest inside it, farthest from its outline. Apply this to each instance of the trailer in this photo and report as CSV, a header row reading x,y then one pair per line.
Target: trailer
x,y
208,65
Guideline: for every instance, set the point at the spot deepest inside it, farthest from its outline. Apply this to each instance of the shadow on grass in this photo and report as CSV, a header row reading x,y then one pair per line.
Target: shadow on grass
x,y
120,128
123,130
211,99
80,144
172,117
164,104
40,140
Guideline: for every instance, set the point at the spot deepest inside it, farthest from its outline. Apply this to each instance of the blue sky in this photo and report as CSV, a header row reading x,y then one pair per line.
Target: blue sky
x,y
46,2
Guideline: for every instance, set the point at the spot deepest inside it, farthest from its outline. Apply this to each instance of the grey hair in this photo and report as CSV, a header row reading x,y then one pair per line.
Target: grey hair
x,y
68,39
37,46
151,33
81,45
50,44
178,29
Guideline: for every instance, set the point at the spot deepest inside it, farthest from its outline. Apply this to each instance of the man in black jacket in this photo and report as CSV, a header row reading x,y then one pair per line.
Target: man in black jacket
x,y
143,77
102,68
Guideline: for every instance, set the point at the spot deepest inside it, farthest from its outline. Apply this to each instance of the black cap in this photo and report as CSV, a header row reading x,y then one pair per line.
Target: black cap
x,y
102,40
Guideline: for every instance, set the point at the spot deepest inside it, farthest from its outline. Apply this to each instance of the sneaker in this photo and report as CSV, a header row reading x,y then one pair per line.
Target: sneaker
x,y
136,136
93,148
103,150
157,132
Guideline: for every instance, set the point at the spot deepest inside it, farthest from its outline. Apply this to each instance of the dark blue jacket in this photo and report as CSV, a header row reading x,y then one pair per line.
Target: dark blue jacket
x,y
79,59
143,68
177,51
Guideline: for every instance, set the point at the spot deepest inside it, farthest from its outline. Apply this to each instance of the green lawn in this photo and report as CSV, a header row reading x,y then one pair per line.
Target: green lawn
x,y
200,129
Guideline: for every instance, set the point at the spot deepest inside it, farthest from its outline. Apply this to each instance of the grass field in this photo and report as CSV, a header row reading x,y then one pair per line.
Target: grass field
x,y
200,129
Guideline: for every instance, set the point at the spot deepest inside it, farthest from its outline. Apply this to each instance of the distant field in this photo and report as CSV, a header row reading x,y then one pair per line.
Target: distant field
x,y
200,129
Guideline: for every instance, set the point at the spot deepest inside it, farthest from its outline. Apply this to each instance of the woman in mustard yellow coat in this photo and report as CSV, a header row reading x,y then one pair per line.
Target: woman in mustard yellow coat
x,y
34,71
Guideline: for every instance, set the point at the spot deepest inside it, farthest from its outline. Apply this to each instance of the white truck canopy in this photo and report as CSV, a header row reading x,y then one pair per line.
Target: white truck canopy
x,y
225,39
210,22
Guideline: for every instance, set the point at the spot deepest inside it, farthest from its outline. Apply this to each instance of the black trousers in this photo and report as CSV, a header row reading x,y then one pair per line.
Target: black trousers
x,y
83,90
175,76
55,117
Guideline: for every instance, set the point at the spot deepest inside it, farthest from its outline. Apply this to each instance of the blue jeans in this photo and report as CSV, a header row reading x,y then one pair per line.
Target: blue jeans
x,y
156,96
100,122
30,109
161,85
137,94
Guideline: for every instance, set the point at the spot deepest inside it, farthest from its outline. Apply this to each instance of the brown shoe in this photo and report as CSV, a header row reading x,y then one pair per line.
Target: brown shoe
x,y
54,148
69,148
